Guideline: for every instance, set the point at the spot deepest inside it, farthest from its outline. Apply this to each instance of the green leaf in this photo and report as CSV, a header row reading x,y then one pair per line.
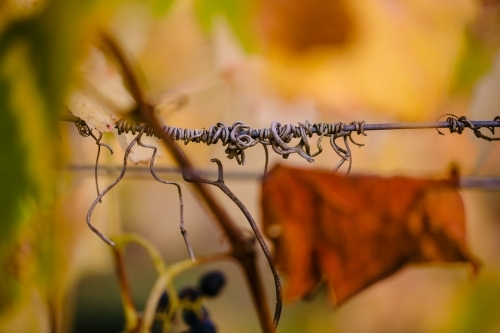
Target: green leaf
x,y
239,14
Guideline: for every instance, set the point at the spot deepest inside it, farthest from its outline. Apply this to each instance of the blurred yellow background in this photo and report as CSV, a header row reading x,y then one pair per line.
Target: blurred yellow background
x,y
257,62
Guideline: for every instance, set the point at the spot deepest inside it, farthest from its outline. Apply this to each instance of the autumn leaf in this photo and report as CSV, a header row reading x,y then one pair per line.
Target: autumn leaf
x,y
357,230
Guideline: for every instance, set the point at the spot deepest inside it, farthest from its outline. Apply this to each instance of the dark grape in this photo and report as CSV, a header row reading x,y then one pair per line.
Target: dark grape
x,y
163,303
193,318
189,294
205,326
211,283
162,308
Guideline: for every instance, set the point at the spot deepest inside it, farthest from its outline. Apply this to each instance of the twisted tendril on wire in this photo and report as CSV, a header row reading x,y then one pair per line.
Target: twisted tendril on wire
x,y
458,124
240,136
83,128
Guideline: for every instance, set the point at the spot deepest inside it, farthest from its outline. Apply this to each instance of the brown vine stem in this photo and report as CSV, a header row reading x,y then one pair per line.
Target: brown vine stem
x,y
242,248
132,321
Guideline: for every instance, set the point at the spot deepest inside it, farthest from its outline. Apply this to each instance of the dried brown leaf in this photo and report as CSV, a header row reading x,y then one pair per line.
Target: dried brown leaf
x,y
357,230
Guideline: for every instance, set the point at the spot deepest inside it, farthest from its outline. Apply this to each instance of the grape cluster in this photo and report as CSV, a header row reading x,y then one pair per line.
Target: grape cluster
x,y
194,314
198,319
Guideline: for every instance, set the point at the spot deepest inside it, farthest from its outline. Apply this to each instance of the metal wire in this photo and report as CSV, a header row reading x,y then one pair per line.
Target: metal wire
x,y
239,136
467,182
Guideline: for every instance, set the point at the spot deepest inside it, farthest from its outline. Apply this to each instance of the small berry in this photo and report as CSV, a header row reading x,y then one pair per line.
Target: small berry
x,y
163,303
206,326
211,283
189,294
193,318
161,309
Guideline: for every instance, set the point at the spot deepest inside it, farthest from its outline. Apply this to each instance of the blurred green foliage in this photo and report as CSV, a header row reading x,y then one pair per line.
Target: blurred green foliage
x,y
477,308
161,7
37,56
474,62
238,14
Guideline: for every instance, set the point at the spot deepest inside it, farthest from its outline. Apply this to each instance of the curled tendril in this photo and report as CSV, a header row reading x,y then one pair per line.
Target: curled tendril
x,y
83,128
240,136
458,124
179,191
107,189
260,239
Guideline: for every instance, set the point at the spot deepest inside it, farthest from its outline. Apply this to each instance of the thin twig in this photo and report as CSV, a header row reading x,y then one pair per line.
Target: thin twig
x,y
132,322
